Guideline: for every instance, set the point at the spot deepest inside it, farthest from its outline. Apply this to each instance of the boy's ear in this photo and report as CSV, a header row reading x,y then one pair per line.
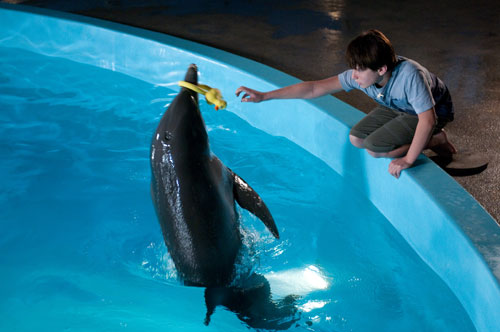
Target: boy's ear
x,y
382,70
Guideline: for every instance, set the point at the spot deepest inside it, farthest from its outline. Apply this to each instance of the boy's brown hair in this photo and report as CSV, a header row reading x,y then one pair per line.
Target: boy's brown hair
x,y
372,49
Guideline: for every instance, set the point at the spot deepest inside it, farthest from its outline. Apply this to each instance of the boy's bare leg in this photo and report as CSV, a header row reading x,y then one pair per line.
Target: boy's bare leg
x,y
356,141
396,153
440,144
399,152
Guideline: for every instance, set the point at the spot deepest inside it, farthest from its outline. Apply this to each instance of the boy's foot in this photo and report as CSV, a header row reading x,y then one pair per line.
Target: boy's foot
x,y
454,163
440,144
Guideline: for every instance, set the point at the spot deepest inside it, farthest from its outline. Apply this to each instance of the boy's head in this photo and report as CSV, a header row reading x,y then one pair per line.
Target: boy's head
x,y
373,50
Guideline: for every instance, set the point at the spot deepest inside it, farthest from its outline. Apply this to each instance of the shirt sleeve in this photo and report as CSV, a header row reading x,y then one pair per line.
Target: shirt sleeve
x,y
419,93
347,82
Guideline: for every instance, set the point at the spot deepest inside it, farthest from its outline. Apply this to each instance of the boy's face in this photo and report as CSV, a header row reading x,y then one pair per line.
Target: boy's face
x,y
366,77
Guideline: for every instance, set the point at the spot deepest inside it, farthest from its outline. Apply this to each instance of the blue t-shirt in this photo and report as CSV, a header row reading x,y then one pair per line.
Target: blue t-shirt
x,y
411,89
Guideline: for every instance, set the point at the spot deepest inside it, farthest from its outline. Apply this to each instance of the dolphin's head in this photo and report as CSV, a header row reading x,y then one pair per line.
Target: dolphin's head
x,y
182,126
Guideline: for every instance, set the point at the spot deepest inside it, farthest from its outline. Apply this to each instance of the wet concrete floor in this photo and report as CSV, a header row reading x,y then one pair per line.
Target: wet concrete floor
x,y
457,40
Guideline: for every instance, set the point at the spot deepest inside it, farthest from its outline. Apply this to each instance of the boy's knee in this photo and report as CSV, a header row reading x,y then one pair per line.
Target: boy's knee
x,y
369,145
356,141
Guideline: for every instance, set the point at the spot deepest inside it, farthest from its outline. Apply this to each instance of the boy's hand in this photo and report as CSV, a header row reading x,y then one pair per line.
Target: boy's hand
x,y
249,95
397,165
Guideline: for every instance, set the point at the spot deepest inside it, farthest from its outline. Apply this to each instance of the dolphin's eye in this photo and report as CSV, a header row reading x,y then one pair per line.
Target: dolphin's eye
x,y
168,136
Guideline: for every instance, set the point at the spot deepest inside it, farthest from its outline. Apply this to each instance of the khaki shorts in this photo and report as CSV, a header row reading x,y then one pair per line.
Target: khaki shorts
x,y
385,129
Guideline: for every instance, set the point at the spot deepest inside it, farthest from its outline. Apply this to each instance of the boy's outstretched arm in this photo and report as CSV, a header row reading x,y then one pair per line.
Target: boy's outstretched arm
x,y
426,122
303,90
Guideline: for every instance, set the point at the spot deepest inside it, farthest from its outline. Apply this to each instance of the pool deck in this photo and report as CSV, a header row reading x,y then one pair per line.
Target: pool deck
x,y
460,42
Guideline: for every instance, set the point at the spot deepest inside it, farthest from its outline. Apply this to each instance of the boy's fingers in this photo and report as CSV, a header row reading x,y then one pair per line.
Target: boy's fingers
x,y
240,90
246,97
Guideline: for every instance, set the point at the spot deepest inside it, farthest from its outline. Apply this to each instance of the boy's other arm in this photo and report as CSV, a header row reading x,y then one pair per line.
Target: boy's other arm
x,y
303,90
425,125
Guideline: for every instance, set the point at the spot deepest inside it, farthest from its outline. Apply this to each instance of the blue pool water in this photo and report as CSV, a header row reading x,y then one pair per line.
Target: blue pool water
x,y
82,249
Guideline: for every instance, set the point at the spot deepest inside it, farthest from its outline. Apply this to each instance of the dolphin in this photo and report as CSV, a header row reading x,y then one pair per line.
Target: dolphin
x,y
194,196
252,303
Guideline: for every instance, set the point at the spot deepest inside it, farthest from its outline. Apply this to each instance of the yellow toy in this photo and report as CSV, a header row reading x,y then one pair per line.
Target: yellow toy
x,y
212,96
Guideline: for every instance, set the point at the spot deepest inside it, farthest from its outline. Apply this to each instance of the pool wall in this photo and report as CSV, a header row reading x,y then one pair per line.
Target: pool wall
x,y
449,230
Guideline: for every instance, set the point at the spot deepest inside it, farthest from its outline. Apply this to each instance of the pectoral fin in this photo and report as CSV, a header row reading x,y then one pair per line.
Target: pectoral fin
x,y
248,199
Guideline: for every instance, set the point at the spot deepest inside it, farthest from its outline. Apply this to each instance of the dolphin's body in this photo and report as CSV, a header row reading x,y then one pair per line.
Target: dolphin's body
x,y
194,196
251,301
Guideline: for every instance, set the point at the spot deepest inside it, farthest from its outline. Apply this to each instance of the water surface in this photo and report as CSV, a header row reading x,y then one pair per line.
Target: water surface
x,y
82,249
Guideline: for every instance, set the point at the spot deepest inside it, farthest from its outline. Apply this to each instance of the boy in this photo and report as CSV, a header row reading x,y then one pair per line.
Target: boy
x,y
414,104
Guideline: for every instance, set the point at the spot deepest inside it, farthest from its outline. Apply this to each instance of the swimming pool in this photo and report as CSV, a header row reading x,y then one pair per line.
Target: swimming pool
x,y
79,119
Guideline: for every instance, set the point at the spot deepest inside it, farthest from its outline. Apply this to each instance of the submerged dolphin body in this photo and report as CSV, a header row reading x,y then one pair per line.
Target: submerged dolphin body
x,y
251,301
194,195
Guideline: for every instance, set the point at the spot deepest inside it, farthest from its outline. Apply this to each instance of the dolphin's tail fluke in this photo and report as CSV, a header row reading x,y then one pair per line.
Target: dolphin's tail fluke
x,y
253,305
248,199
